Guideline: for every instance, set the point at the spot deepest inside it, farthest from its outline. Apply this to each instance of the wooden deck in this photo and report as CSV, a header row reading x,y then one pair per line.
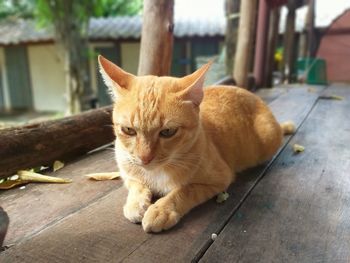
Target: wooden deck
x,y
295,208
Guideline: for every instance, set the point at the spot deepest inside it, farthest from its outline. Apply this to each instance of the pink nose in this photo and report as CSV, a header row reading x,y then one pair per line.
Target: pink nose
x,y
146,159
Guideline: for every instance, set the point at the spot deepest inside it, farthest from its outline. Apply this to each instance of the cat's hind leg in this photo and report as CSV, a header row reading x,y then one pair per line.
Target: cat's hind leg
x,y
269,133
138,200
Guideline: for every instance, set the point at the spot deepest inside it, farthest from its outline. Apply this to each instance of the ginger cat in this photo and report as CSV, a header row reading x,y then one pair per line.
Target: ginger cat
x,y
182,142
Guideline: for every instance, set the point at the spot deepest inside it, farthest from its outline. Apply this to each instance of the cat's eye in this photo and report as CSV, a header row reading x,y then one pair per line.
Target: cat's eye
x,y
128,131
167,133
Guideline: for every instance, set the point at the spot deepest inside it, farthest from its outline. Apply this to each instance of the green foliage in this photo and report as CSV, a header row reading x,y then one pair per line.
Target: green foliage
x,y
106,8
40,9
17,8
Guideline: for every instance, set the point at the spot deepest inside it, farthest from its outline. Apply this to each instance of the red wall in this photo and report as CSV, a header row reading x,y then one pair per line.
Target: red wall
x,y
335,49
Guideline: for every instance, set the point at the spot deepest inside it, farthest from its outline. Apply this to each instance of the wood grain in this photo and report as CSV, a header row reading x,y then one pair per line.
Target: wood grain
x,y
41,205
300,211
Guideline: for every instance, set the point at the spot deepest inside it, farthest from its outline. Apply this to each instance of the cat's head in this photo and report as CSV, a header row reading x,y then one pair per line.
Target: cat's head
x,y
156,119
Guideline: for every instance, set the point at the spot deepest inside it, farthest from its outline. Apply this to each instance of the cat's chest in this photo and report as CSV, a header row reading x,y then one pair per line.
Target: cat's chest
x,y
160,181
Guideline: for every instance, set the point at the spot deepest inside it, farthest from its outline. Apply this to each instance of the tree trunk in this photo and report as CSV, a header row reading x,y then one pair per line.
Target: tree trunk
x,y
245,42
156,38
72,38
232,20
271,45
289,41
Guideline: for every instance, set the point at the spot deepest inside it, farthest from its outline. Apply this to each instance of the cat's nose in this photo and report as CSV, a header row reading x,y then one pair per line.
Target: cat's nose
x,y
146,159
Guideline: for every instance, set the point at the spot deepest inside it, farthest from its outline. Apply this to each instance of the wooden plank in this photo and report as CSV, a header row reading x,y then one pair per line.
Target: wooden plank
x,y
300,210
39,205
98,233
74,238
270,94
40,144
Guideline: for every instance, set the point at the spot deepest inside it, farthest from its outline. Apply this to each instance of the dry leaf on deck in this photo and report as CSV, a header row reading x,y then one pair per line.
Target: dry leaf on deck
x,y
8,184
57,165
103,176
331,97
298,148
39,178
222,197
24,177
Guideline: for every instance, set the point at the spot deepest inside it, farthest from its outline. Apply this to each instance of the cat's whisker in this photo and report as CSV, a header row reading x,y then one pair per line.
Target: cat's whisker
x,y
178,165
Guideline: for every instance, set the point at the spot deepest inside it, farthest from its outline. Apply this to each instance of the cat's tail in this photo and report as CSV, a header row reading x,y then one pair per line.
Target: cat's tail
x,y
288,127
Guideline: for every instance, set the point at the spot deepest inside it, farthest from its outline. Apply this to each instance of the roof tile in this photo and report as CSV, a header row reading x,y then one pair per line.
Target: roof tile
x,y
21,31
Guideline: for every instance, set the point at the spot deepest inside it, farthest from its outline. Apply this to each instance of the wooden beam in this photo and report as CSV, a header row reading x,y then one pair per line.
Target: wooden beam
x,y
311,50
232,20
271,46
41,144
156,38
261,43
245,42
289,40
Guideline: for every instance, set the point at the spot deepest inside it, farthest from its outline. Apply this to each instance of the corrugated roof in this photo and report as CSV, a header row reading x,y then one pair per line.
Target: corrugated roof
x,y
22,31
19,31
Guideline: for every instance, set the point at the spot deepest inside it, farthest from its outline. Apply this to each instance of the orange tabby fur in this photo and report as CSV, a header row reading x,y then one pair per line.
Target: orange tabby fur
x,y
221,130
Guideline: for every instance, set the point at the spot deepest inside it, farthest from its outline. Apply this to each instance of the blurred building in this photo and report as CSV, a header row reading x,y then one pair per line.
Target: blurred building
x,y
334,48
32,71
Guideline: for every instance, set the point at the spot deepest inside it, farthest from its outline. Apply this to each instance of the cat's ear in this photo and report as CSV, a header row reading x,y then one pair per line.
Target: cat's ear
x,y
193,85
117,80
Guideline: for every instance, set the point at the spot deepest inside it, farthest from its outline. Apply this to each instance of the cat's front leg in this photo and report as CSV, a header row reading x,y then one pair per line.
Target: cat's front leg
x,y
138,200
167,211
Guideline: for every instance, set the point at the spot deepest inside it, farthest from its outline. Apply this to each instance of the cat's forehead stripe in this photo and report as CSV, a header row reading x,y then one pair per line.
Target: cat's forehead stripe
x,y
148,107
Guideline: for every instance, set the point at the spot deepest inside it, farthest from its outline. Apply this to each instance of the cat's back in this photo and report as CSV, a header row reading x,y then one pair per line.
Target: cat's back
x,y
233,118
227,103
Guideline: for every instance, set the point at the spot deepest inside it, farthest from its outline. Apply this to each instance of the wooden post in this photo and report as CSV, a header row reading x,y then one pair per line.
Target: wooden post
x,y
157,38
261,41
271,46
245,42
289,40
311,50
232,19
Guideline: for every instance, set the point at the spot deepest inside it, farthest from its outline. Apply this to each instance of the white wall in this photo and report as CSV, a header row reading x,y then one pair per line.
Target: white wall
x,y
4,79
47,77
130,53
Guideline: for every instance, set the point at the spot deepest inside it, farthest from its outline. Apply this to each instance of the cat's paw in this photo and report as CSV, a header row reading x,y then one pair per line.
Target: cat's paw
x,y
134,211
158,218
